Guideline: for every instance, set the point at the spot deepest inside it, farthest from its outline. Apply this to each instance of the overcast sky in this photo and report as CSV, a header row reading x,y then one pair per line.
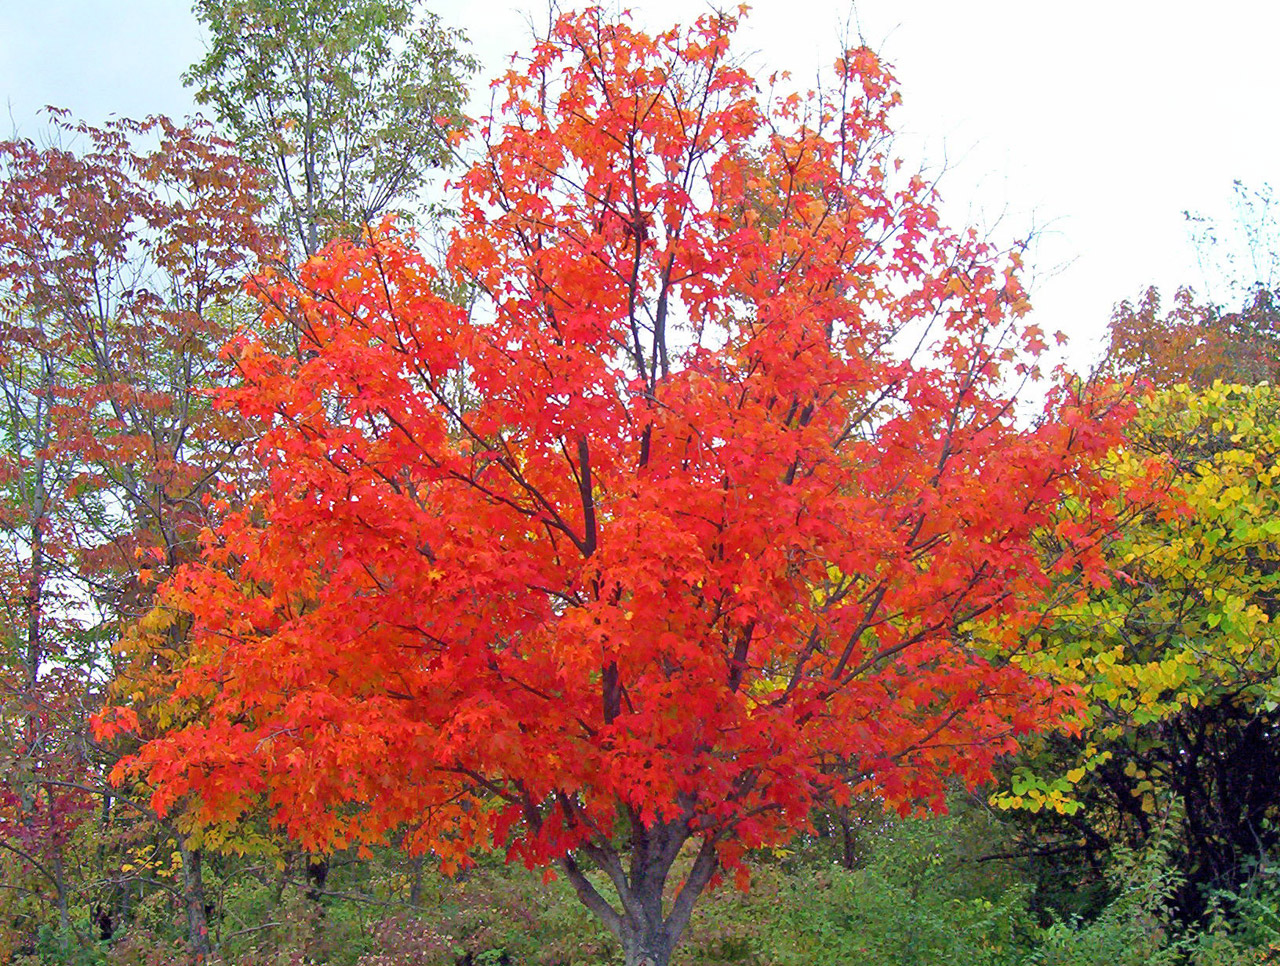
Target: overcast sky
x,y
1097,122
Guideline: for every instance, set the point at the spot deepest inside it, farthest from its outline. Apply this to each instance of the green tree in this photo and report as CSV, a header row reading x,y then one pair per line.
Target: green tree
x,y
347,105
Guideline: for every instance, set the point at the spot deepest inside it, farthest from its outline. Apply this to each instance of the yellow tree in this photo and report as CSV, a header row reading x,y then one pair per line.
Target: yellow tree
x,y
1178,653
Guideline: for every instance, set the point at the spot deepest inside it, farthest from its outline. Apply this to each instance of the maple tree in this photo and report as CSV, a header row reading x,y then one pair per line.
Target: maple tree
x,y
701,497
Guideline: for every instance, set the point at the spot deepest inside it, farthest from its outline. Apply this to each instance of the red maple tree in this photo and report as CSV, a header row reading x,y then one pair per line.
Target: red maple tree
x,y
697,499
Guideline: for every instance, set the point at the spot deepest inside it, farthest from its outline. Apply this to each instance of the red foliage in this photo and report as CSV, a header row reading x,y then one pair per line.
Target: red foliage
x,y
669,520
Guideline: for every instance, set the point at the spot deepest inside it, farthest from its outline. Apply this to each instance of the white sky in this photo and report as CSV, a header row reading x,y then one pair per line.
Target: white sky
x,y
1100,122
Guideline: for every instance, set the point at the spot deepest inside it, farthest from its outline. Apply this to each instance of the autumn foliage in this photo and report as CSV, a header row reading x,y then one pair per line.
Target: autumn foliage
x,y
1195,342
1177,655
679,527
122,251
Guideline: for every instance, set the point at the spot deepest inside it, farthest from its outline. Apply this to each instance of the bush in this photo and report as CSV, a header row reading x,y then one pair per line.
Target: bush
x,y
1135,927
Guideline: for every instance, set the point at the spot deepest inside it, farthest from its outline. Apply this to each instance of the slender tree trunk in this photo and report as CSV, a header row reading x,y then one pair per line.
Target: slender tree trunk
x,y
415,881
35,585
64,912
109,906
198,942
282,880
312,241
848,842
34,655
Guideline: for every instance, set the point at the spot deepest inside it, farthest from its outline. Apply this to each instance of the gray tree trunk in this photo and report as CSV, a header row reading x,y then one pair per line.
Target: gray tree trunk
x,y
651,947
415,881
64,912
647,927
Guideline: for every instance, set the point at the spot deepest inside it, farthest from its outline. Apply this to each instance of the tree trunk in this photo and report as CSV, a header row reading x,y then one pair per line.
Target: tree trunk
x,y
33,658
35,586
317,869
198,943
647,927
126,904
648,947
415,881
848,846
64,912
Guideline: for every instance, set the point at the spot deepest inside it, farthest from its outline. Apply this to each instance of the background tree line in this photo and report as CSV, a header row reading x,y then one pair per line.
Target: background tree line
x,y
1143,831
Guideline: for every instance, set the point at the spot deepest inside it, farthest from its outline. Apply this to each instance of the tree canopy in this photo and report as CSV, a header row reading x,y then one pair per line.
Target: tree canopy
x,y
346,106
700,497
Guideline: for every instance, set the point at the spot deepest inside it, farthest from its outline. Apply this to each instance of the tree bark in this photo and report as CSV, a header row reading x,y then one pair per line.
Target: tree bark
x,y
64,912
317,871
848,848
647,949
415,881
647,927
198,942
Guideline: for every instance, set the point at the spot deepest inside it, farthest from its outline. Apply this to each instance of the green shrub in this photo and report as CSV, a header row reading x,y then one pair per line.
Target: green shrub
x,y
1134,929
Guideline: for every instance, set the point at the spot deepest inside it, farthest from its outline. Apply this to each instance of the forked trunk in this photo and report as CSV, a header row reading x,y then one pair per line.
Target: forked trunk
x,y
647,926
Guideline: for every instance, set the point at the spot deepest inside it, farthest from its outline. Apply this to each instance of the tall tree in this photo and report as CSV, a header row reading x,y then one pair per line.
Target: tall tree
x,y
705,524
346,105
123,257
